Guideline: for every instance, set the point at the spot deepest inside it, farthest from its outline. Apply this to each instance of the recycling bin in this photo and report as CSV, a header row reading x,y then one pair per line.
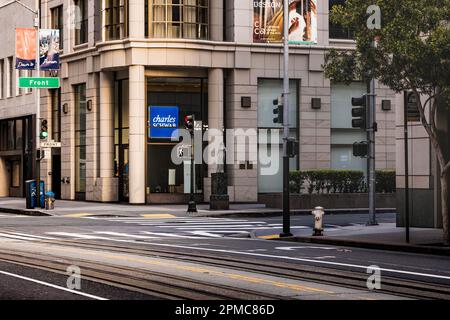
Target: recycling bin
x,y
30,194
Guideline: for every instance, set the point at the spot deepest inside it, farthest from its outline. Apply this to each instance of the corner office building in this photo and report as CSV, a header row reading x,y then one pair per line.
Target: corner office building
x,y
120,58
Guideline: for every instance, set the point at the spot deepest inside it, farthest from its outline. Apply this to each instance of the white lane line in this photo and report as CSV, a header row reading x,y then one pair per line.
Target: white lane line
x,y
31,235
126,235
170,235
425,275
212,227
5,235
52,285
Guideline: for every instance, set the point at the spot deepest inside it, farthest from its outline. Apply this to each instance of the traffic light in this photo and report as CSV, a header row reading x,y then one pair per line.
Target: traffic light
x,y
278,111
292,148
189,122
361,149
44,129
360,114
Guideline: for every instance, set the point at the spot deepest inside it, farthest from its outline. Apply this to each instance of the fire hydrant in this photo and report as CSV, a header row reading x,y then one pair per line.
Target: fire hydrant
x,y
318,213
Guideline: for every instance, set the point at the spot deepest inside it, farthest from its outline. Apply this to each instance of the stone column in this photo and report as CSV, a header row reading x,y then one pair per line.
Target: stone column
x,y
136,18
4,179
107,185
137,135
215,117
216,20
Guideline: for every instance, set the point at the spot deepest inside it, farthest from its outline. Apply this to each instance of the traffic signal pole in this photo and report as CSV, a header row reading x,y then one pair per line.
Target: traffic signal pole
x,y
286,208
371,156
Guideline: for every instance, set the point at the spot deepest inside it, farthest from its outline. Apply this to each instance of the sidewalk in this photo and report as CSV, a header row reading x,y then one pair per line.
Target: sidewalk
x,y
81,208
386,236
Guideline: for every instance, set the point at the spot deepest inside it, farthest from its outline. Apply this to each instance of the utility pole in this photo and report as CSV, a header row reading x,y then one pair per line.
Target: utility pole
x,y
286,208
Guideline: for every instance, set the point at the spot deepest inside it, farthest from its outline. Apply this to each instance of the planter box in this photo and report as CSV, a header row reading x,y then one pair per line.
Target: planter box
x,y
328,201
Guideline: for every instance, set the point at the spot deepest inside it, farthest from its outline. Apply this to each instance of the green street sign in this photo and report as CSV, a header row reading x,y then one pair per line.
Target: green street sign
x,y
36,82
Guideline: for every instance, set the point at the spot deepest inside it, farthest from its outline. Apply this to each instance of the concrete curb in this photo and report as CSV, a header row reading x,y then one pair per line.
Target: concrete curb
x,y
25,212
302,212
423,249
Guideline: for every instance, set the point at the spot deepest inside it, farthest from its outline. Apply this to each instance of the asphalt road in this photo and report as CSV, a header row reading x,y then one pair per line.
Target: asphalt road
x,y
221,237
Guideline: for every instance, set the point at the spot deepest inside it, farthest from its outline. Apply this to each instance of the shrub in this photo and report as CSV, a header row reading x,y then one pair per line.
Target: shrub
x,y
385,181
339,181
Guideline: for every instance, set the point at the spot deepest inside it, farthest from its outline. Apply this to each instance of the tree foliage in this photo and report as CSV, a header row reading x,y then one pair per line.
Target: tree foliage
x,y
413,50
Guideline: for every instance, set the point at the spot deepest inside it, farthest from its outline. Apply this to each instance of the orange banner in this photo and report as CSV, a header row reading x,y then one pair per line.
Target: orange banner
x,y
26,48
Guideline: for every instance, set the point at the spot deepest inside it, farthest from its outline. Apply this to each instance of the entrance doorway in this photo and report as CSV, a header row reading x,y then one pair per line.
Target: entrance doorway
x,y
123,173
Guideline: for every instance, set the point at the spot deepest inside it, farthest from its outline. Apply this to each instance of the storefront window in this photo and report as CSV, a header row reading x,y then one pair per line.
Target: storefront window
x,y
187,19
80,138
184,96
268,90
342,134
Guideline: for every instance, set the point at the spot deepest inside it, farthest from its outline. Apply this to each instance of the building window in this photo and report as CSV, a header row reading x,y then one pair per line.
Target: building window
x,y
343,135
19,73
1,78
55,96
15,174
115,15
58,23
187,19
10,76
81,19
80,138
337,31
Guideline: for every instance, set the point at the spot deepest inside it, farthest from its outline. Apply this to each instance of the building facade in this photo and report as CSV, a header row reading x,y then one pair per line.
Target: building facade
x,y
17,106
121,59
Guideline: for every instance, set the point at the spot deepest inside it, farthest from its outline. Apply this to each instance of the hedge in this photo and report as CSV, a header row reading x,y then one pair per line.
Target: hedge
x,y
339,181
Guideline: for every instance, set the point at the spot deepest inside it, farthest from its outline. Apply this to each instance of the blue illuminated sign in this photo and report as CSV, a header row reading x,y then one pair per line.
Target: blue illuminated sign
x,y
163,121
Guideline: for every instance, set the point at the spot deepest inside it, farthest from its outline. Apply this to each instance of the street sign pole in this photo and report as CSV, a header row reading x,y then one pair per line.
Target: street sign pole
x,y
286,204
38,109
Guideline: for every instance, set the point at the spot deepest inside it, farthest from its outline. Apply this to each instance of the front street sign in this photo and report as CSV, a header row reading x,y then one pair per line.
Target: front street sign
x,y
50,144
37,82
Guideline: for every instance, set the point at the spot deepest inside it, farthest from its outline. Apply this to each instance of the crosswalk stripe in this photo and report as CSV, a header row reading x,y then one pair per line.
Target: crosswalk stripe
x,y
158,216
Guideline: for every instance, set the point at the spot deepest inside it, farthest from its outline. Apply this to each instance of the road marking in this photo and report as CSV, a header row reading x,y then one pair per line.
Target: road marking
x,y
158,216
305,247
32,235
78,215
28,237
426,275
52,285
124,235
268,237
170,235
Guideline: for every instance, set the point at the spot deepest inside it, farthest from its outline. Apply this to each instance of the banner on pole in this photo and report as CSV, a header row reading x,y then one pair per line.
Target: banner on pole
x,y
49,49
25,49
268,21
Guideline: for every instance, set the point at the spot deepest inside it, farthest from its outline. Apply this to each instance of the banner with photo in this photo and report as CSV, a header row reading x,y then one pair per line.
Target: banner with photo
x,y
268,21
25,49
49,49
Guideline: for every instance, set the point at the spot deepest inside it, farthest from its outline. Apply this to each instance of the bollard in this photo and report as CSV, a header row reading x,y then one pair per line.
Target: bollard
x,y
318,213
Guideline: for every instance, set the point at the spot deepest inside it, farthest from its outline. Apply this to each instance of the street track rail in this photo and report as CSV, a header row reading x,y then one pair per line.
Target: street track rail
x,y
153,284
355,280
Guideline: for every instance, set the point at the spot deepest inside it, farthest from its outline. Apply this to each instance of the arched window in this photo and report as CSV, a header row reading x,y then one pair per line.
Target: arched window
x,y
187,19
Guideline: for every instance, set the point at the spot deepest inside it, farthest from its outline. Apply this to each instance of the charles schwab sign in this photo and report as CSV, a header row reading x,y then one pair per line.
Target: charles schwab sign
x,y
163,121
